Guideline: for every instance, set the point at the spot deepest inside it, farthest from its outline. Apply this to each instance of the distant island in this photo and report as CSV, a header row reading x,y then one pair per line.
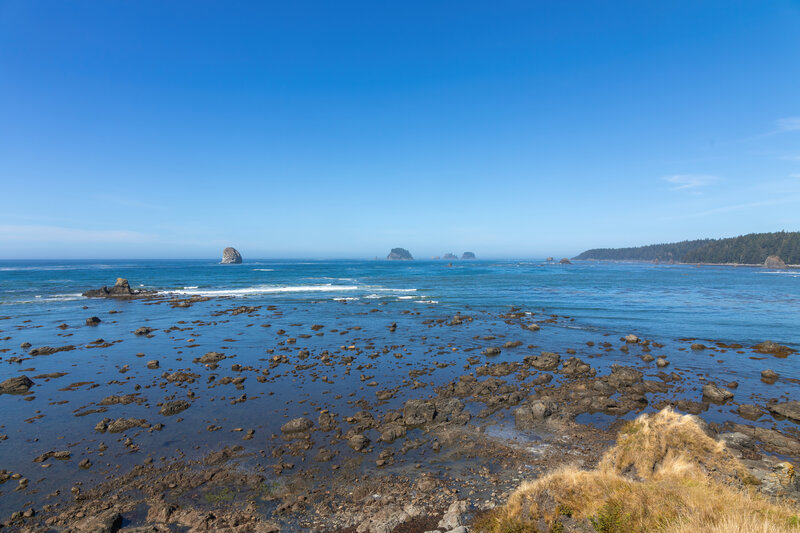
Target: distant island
x,y
399,254
751,249
468,255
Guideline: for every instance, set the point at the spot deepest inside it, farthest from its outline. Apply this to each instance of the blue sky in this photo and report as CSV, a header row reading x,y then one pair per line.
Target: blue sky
x,y
342,129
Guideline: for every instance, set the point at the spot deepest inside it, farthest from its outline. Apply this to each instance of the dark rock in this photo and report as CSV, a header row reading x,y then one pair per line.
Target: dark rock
x,y
716,394
297,425
49,350
174,407
773,440
698,346
491,351
153,365
790,410
121,289
93,321
17,385
143,331
548,361
574,366
358,442
231,256
210,358
773,348
769,376
565,261
418,412
468,256
63,455
392,432
399,254
532,413
750,412
623,376
121,424
450,256
108,522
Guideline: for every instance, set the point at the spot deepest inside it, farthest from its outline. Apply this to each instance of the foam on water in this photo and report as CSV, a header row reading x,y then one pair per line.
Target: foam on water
x,y
264,289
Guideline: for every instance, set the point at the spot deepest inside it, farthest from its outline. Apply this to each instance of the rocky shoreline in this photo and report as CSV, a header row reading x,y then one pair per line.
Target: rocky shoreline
x,y
431,420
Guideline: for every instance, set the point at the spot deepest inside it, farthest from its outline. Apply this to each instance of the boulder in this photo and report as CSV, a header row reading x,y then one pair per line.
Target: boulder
x,y
468,256
623,376
93,321
565,261
231,256
716,394
533,412
769,376
548,361
453,517
773,261
17,385
358,442
399,254
297,425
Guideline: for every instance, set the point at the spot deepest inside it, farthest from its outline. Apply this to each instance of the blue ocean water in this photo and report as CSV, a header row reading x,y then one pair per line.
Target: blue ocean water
x,y
583,309
743,304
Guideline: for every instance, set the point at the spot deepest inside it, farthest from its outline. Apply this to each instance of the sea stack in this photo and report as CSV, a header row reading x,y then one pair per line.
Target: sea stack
x,y
565,261
399,254
468,255
449,256
774,261
231,256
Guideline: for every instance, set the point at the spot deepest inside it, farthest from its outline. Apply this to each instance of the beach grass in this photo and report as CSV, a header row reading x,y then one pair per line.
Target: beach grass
x,y
664,474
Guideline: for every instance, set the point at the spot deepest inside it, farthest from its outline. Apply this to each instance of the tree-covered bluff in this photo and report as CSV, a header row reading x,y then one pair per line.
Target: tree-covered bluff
x,y
745,249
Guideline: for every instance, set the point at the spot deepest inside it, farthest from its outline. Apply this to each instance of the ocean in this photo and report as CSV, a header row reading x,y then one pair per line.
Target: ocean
x,y
385,325
745,305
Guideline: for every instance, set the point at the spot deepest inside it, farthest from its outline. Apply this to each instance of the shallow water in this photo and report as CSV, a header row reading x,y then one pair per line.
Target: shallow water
x,y
596,302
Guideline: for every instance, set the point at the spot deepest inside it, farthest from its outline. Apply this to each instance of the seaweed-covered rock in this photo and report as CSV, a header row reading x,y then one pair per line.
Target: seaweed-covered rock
x,y
297,425
17,385
174,407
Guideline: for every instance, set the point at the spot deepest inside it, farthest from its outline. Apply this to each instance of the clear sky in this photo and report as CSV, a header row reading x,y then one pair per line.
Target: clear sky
x,y
156,129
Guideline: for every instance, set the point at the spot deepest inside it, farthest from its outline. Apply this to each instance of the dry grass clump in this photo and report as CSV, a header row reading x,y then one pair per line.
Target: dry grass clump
x,y
664,474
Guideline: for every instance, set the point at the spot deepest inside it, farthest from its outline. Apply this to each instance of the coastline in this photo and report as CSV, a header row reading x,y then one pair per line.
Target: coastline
x,y
217,412
754,265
